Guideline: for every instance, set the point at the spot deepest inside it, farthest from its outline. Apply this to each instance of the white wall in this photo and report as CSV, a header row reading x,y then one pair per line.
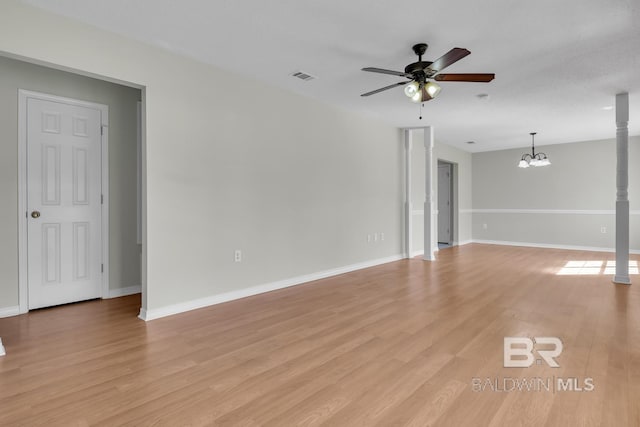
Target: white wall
x,y
124,251
582,178
462,188
295,184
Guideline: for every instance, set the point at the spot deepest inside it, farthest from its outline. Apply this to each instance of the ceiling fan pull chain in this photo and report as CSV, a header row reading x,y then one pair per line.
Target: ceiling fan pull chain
x,y
421,105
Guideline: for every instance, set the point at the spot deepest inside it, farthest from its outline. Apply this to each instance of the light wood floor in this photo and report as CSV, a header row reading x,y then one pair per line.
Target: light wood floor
x,y
393,345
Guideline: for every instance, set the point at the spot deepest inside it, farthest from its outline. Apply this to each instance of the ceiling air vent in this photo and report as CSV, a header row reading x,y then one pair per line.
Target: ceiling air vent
x,y
303,76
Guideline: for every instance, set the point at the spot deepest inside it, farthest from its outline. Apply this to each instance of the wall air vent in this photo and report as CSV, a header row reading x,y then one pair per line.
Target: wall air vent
x,y
303,76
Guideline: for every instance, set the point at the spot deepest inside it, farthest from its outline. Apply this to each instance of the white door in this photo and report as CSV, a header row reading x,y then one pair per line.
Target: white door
x,y
444,203
63,202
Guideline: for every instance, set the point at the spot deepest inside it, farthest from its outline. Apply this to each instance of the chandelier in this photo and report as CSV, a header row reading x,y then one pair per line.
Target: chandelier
x,y
533,159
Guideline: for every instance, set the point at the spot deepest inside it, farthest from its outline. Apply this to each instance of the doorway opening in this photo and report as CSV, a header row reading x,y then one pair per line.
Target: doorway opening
x,y
123,213
446,205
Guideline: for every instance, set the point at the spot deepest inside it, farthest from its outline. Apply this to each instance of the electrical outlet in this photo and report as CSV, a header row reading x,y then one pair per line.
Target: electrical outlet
x,y
603,230
375,237
368,238
382,237
485,226
238,255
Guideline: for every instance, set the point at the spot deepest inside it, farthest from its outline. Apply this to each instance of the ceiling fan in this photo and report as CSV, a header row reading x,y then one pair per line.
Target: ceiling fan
x,y
420,88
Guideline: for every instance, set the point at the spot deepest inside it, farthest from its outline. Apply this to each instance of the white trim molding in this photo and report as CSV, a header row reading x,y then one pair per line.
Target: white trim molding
x,y
551,211
123,292
139,172
549,246
146,314
2,350
9,311
105,197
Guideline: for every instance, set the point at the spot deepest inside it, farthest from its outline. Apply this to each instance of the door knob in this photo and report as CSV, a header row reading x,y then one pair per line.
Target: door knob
x,y
35,214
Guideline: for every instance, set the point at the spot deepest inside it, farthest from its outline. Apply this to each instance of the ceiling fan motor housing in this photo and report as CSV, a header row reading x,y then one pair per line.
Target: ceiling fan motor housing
x,y
417,68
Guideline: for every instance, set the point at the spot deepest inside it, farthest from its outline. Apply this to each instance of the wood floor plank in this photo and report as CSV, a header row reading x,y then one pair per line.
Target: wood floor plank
x,y
400,344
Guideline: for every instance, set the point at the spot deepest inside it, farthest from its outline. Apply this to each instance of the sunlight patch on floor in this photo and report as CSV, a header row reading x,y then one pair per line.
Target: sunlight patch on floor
x,y
592,268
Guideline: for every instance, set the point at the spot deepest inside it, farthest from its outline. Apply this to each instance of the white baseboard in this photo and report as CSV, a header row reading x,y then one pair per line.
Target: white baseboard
x,y
122,292
157,313
551,246
9,311
113,293
2,350
420,253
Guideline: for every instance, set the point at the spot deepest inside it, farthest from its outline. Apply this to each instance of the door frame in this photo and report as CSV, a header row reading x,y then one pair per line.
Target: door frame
x,y
455,202
452,202
23,272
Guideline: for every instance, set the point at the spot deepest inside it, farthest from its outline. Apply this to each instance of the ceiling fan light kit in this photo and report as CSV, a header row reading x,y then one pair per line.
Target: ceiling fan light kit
x,y
421,92
419,88
533,159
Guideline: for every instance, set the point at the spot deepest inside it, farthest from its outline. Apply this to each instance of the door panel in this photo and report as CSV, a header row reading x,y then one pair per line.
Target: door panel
x,y
63,202
444,203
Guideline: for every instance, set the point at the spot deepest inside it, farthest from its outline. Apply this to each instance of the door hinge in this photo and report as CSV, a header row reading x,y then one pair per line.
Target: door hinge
x,y
101,129
101,268
102,199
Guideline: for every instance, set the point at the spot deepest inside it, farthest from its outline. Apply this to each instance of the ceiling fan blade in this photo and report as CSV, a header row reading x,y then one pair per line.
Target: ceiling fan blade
x,y
373,92
383,71
478,78
454,55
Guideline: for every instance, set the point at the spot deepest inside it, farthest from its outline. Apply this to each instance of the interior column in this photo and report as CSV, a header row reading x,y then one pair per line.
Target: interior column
x,y
408,206
622,193
429,208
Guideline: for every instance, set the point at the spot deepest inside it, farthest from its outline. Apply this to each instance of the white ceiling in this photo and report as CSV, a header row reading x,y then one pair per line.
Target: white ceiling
x,y
558,63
